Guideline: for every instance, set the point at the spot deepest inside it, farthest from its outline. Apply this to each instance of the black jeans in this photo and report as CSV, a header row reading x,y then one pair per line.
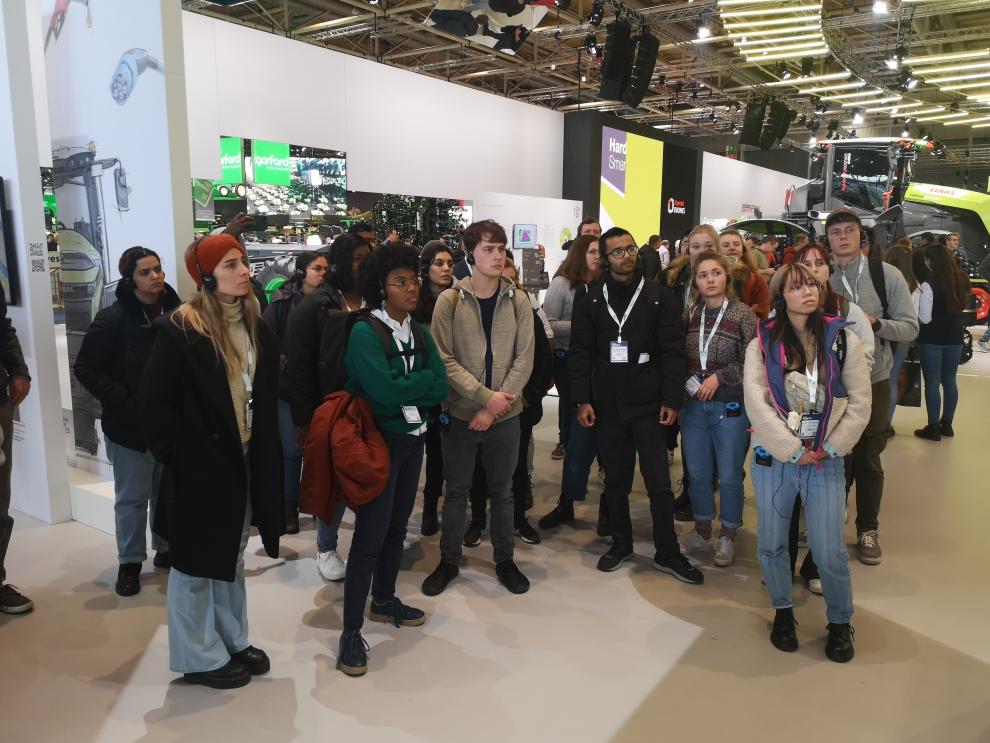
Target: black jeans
x,y
6,520
864,467
619,441
520,484
565,408
380,530
433,487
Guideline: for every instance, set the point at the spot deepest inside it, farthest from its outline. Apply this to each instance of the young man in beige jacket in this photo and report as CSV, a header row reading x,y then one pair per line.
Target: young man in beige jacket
x,y
483,328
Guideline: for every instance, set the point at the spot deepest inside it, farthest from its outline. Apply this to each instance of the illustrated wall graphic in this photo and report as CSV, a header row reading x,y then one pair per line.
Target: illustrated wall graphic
x,y
500,24
57,21
132,63
631,178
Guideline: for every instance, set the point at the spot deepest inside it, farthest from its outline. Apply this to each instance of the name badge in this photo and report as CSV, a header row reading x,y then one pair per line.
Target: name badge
x,y
809,425
693,385
249,414
619,352
411,414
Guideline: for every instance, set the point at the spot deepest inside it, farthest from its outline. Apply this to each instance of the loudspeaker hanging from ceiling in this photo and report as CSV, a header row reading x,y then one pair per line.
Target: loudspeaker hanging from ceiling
x,y
618,59
778,122
756,111
644,60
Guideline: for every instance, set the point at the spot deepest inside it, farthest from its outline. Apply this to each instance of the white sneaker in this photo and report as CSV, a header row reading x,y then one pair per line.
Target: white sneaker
x,y
693,542
330,565
725,552
815,586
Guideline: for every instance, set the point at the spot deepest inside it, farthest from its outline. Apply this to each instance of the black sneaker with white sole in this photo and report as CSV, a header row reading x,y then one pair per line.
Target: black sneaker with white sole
x,y
616,555
527,533
680,568
13,601
352,653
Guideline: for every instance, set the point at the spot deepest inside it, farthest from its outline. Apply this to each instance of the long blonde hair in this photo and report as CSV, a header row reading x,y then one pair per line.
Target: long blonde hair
x,y
203,314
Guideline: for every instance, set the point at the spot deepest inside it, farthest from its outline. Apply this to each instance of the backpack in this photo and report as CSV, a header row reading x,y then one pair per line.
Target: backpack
x,y
334,335
875,264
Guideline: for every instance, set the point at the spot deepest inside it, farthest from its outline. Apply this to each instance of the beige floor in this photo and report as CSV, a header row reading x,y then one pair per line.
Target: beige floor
x,y
583,657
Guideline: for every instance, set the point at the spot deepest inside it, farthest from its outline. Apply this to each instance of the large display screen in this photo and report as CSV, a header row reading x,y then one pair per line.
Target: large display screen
x,y
631,183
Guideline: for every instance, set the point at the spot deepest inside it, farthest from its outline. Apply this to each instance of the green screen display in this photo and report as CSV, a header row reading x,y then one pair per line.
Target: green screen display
x,y
231,160
271,162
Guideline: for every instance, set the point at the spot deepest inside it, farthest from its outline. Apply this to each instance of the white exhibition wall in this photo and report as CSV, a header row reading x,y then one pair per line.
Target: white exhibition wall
x,y
732,189
402,132
555,219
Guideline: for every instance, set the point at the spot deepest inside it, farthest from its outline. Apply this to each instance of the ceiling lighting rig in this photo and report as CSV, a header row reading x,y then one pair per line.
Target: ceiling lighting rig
x,y
782,30
963,74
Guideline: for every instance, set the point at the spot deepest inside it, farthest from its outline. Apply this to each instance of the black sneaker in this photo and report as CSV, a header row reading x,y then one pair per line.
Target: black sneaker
x,y
253,659
783,635
527,533
472,535
682,507
397,613
680,568
13,601
929,432
613,559
352,653
128,579
563,513
839,645
946,429
439,579
162,560
602,528
558,452
231,676
431,524
511,577
291,517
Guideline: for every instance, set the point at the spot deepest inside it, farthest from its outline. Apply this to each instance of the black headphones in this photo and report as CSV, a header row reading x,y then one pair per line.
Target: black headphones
x,y
469,257
299,273
209,280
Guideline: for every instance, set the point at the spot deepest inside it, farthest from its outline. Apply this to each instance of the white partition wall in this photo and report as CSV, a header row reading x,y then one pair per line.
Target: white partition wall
x,y
38,483
402,132
731,189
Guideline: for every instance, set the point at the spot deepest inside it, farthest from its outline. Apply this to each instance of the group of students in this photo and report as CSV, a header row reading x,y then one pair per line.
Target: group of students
x,y
209,402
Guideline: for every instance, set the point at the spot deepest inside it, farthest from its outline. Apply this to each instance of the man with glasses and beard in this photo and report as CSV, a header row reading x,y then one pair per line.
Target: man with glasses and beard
x,y
627,371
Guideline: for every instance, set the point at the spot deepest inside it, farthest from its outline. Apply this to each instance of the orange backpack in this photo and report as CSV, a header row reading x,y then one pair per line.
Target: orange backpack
x,y
344,457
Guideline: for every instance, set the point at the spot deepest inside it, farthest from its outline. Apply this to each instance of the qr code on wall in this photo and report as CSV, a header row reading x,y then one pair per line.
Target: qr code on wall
x,y
38,266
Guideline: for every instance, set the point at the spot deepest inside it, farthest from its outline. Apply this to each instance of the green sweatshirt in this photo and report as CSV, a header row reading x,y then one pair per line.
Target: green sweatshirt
x,y
385,383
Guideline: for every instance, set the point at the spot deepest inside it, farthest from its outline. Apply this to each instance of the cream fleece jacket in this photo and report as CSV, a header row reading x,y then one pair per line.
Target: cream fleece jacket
x,y
849,414
460,339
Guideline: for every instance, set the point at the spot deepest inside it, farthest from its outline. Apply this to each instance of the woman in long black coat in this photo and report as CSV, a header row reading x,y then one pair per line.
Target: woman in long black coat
x,y
209,406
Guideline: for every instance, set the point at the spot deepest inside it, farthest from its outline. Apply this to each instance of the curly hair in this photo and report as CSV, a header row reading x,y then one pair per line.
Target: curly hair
x,y
379,264
341,261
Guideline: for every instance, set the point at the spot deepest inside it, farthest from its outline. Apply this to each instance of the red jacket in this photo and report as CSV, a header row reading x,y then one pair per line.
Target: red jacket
x,y
345,457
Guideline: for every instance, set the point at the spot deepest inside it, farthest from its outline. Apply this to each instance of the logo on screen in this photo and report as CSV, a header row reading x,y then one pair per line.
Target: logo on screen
x,y
675,206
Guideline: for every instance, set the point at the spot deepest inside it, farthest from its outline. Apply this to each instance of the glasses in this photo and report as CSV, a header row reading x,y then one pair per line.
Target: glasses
x,y
619,252
318,268
402,284
799,288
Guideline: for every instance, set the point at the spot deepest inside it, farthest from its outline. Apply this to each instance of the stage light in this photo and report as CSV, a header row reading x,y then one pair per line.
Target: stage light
x,y
812,139
597,13
857,118
704,32
880,7
591,44
906,133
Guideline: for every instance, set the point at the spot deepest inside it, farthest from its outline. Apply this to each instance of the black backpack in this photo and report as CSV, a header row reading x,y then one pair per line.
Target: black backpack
x,y
336,331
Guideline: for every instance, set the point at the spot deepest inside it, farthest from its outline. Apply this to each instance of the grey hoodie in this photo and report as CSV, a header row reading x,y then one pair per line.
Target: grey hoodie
x,y
460,338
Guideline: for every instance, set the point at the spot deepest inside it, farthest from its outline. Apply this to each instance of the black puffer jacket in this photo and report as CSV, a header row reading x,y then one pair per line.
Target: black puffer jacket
x,y
654,374
11,357
111,363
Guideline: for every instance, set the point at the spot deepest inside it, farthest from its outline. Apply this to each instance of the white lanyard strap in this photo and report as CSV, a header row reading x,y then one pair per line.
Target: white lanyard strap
x,y
407,358
853,295
629,308
812,374
702,344
246,371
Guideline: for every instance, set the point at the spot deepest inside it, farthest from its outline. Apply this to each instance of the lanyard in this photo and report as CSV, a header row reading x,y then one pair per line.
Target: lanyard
x,y
245,371
407,359
632,303
812,374
853,295
702,345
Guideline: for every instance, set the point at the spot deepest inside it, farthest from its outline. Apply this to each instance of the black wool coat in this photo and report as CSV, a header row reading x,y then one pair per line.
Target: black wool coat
x,y
189,421
653,376
111,362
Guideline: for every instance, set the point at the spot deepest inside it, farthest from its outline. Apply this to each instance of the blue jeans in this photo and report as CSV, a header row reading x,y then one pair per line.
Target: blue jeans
x,y
291,452
899,355
939,365
326,534
986,336
207,619
380,529
710,437
565,411
136,476
582,447
823,495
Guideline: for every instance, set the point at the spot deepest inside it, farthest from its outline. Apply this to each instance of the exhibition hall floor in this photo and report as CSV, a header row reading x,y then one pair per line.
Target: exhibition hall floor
x,y
584,656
